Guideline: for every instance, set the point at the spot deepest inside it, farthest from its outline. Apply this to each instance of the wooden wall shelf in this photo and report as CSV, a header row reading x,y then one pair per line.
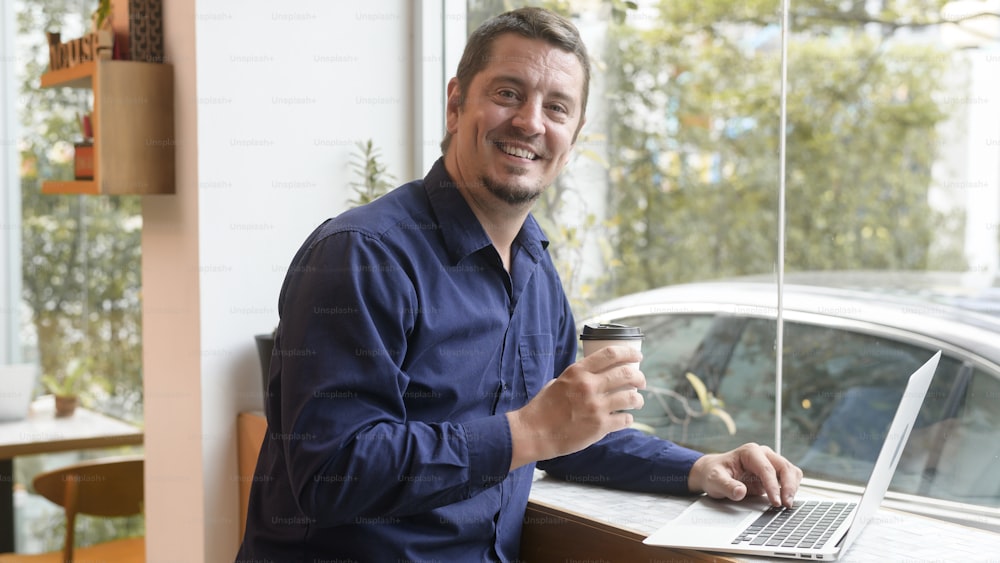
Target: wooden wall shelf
x,y
133,121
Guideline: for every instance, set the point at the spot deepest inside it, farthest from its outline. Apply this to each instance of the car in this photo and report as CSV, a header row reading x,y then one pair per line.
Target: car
x,y
849,342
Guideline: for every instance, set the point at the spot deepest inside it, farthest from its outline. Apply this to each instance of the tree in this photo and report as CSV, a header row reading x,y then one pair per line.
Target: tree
x,y
695,122
694,133
80,254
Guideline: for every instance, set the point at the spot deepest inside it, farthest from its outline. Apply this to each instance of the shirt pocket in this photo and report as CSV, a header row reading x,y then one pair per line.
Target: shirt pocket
x,y
537,360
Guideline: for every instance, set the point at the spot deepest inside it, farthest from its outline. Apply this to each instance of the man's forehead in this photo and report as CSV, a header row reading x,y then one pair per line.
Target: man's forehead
x,y
511,53
512,48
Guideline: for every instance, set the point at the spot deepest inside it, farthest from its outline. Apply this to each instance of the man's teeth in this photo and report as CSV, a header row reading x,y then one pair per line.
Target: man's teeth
x,y
518,152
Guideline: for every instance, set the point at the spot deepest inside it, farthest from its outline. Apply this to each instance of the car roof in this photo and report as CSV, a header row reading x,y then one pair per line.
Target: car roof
x,y
930,315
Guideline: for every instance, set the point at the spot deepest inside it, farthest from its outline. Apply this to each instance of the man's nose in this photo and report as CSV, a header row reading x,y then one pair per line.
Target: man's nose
x,y
530,118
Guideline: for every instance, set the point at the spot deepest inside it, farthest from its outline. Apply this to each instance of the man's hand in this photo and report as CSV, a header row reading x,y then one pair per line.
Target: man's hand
x,y
579,407
748,470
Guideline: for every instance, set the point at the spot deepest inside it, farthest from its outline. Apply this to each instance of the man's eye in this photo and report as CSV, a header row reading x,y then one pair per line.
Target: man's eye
x,y
508,94
558,108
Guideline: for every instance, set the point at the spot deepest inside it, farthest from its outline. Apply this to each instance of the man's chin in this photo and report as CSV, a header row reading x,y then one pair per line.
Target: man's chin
x,y
516,194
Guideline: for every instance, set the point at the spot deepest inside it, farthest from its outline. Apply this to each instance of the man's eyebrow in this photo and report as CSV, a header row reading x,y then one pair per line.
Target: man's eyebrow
x,y
517,81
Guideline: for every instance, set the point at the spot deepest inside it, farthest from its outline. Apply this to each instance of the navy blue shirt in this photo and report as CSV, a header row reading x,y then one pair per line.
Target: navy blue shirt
x,y
402,343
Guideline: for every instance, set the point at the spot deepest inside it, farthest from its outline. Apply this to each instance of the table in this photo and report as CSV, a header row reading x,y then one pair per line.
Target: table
x,y
574,521
41,432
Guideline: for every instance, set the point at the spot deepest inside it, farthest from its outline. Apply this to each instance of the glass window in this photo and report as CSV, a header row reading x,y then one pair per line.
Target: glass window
x,y
80,268
963,453
81,255
891,171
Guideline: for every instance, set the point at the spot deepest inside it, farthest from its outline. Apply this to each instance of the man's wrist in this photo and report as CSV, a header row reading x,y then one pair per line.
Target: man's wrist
x,y
696,476
521,443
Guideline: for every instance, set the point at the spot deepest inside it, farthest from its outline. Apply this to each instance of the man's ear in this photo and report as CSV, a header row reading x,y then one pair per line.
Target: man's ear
x,y
453,106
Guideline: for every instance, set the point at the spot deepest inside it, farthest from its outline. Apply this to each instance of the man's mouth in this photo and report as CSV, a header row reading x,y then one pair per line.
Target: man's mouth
x,y
516,151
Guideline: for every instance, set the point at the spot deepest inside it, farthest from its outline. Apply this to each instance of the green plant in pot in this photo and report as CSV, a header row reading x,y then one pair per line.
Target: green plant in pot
x,y
68,384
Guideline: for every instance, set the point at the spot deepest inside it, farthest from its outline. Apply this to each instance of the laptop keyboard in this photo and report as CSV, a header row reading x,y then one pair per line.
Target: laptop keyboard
x,y
807,525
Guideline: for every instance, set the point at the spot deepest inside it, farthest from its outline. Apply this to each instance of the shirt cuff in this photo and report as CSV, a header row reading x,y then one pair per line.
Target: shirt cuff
x,y
490,450
677,462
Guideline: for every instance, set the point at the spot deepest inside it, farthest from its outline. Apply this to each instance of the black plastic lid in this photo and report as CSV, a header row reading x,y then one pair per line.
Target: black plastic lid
x,y
610,331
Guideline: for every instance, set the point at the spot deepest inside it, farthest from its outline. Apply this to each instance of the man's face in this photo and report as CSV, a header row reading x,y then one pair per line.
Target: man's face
x,y
517,126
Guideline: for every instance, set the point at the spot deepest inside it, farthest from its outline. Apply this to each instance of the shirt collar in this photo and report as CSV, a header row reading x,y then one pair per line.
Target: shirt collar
x,y
463,234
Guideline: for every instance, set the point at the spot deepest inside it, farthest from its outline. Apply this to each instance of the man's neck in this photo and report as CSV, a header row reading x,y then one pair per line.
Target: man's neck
x,y
502,228
501,220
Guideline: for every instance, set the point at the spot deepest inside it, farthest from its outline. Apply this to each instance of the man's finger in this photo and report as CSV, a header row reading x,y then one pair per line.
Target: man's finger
x,y
760,464
737,490
624,399
610,356
789,477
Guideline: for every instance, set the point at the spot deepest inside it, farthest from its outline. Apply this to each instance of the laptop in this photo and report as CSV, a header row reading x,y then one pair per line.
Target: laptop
x,y
815,529
17,384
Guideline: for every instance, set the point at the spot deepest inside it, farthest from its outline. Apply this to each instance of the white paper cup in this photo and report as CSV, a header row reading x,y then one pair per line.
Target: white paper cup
x,y
597,336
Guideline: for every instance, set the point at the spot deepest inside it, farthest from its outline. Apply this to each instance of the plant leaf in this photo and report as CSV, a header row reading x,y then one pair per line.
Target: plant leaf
x,y
700,389
728,420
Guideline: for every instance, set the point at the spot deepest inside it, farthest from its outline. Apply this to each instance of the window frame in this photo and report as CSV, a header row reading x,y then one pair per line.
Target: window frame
x,y
10,203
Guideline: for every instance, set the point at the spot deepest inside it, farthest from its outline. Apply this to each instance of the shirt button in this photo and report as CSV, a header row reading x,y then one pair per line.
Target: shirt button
x,y
505,387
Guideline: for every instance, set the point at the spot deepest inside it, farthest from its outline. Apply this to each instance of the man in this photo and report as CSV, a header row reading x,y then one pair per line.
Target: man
x,y
413,386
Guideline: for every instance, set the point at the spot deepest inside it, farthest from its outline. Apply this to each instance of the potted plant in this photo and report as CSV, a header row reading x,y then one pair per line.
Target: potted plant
x,y
67,384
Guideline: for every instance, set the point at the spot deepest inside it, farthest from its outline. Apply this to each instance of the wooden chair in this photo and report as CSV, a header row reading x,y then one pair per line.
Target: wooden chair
x,y
105,487
251,428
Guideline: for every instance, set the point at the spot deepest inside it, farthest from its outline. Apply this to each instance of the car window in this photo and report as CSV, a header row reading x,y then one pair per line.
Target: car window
x,y
840,391
670,343
668,350
963,464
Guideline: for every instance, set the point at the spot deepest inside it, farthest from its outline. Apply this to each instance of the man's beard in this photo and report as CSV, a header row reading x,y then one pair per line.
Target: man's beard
x,y
511,195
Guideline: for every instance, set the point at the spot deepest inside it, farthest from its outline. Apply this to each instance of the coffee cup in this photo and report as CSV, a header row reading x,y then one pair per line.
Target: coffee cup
x,y
599,335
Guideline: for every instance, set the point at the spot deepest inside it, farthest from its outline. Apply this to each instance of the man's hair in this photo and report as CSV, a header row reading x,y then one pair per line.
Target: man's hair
x,y
532,23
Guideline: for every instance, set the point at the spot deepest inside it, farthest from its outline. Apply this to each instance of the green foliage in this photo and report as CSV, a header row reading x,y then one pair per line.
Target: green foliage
x,y
373,180
81,255
102,13
71,380
695,106
81,260
90,530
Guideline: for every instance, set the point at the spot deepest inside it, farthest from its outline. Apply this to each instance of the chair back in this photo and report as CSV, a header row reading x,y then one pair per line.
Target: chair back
x,y
103,487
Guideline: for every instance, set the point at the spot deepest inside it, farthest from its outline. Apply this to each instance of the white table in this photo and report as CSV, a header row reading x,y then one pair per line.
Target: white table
x,y
41,432
571,521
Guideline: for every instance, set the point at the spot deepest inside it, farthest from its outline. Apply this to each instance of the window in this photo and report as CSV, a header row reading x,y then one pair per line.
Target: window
x,y
891,182
79,262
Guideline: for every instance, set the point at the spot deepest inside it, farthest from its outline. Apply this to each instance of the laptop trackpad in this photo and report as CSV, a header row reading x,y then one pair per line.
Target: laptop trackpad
x,y
708,513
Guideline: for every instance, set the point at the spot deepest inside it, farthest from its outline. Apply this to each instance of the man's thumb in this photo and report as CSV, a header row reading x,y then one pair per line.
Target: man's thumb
x,y
737,490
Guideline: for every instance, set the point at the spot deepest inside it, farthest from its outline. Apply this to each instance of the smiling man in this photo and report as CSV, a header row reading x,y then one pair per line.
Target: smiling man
x,y
425,360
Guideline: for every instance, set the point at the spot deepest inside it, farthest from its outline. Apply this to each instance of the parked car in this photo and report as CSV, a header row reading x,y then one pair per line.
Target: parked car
x,y
849,343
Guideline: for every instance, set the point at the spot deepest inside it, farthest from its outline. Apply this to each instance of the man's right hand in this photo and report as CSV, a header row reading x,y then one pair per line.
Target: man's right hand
x,y
579,407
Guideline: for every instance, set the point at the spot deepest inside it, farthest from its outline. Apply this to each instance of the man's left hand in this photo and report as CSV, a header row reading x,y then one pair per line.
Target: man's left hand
x,y
748,470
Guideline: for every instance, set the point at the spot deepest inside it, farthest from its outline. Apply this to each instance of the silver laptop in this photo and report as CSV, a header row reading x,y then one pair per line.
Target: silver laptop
x,y
17,383
820,529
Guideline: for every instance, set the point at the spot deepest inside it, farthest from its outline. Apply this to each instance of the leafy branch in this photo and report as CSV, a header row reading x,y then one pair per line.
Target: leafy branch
x,y
373,179
710,405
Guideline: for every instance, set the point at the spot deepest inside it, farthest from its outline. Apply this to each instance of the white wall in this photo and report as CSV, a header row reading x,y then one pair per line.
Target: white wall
x,y
285,90
271,99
